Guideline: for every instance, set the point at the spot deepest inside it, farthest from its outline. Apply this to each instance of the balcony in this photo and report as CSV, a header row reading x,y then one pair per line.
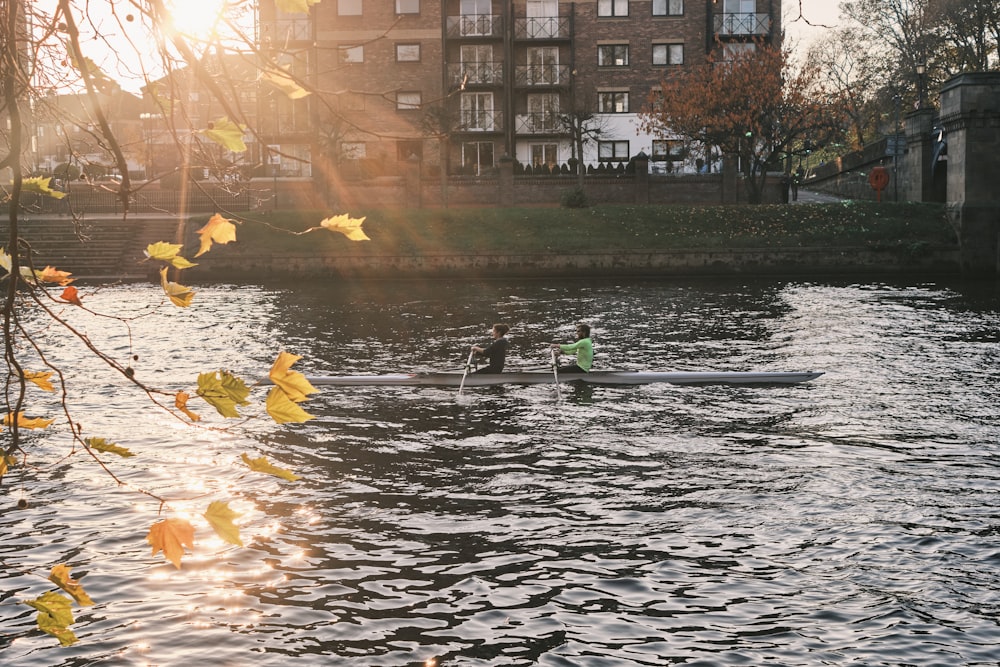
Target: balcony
x,y
531,76
475,74
543,122
470,120
742,25
543,27
475,25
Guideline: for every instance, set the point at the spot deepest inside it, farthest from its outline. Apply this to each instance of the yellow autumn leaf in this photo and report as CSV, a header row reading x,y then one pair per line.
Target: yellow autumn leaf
x,y
223,391
40,185
220,516
171,536
295,6
162,250
40,379
54,616
181,401
346,225
6,263
178,294
227,134
261,465
283,410
283,81
294,384
102,445
6,462
60,577
217,229
52,275
26,422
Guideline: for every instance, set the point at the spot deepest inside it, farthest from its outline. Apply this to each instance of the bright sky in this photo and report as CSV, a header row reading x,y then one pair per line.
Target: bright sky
x,y
819,13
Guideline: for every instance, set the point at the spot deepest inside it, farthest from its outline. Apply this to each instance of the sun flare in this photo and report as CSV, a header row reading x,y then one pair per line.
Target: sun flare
x,y
195,18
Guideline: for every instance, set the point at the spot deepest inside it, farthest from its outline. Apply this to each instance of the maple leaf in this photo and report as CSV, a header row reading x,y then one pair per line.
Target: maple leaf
x,y
26,422
71,295
261,465
293,383
220,516
295,6
40,185
54,616
60,577
283,410
282,80
181,401
217,229
167,252
40,379
227,134
102,445
52,275
346,225
178,294
171,536
223,391
6,462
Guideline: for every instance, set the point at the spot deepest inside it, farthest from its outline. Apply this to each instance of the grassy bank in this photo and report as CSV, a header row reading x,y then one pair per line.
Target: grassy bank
x,y
608,228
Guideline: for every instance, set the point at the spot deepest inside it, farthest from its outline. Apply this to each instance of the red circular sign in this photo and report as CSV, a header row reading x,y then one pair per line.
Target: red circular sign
x,y
879,178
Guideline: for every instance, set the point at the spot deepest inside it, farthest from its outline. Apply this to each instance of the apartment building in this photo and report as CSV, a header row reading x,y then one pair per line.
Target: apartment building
x,y
458,84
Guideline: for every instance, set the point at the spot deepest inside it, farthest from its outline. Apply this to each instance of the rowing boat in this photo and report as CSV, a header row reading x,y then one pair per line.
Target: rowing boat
x,y
453,379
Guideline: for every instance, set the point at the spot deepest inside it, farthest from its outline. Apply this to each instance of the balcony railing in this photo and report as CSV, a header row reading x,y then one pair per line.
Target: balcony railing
x,y
542,27
541,75
475,25
749,24
542,122
475,74
480,121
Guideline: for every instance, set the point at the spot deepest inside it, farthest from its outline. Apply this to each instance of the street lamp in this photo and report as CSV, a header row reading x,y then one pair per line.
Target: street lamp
x,y
921,69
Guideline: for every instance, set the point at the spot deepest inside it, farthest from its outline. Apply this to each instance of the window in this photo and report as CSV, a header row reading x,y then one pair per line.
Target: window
x,y
543,65
407,6
668,7
407,53
353,150
668,54
612,151
612,7
407,101
477,156
477,112
352,54
544,155
407,149
349,7
612,102
612,55
667,150
543,112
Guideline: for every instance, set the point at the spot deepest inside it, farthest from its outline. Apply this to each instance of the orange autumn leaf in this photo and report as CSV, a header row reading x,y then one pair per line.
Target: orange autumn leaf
x,y
171,536
71,295
60,576
26,422
217,229
346,225
179,295
52,275
181,401
40,378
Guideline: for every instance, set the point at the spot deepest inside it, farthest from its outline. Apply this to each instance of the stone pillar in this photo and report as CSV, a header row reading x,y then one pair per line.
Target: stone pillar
x,y
917,160
505,183
641,165
970,115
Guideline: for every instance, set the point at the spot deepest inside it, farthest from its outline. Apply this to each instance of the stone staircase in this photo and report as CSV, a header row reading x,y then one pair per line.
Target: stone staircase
x,y
102,248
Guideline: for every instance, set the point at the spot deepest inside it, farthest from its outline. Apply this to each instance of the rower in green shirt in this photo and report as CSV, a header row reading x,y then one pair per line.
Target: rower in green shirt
x,y
584,349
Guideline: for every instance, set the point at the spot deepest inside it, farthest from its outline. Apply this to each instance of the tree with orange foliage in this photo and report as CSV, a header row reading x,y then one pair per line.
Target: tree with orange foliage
x,y
750,106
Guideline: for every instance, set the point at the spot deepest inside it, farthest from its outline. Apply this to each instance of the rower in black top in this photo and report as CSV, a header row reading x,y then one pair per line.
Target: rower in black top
x,y
496,351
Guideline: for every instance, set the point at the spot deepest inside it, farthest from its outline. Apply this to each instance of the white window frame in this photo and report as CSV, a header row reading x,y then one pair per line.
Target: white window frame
x,y
611,150
408,100
352,54
349,8
408,52
612,8
666,54
407,7
668,7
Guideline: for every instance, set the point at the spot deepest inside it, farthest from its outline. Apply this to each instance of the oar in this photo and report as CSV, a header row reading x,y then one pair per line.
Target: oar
x,y
555,374
468,364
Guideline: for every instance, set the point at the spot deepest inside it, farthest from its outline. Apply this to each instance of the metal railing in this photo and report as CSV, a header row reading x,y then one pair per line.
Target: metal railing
x,y
474,25
750,24
543,27
480,121
542,122
541,75
473,74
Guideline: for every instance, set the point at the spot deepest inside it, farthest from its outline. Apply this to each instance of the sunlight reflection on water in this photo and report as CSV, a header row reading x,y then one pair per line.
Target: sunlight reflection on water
x,y
849,519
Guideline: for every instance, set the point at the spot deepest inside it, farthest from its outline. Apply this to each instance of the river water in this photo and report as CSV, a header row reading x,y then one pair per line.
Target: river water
x,y
850,520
